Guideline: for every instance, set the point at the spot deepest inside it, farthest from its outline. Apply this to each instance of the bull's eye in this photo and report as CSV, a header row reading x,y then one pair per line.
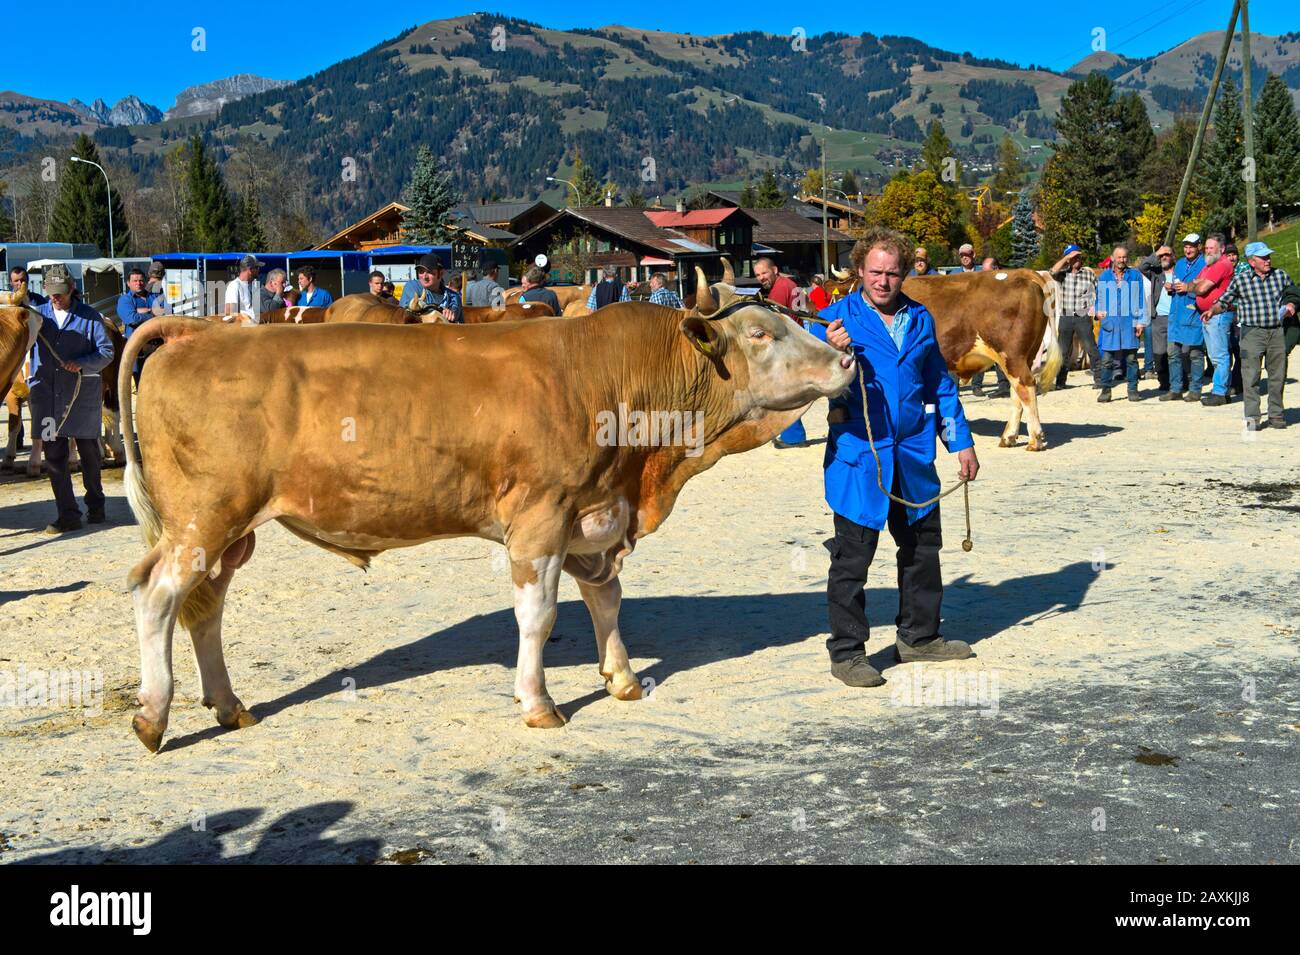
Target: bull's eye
x,y
758,334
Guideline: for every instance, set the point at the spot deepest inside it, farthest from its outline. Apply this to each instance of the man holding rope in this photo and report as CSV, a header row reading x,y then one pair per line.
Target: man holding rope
x,y
911,400
67,397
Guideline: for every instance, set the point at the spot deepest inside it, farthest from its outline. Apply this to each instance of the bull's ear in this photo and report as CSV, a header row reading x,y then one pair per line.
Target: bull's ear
x,y
705,336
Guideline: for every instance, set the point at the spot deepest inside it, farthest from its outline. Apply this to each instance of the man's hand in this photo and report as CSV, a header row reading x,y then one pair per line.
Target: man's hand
x,y
1139,329
71,366
448,315
1289,310
1099,316
837,336
968,464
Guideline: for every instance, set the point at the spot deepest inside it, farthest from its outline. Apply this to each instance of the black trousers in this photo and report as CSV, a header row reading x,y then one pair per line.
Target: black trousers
x,y
1080,327
56,459
920,584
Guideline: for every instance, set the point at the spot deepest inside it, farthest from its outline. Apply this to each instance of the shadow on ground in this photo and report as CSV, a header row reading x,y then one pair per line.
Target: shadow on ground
x,y
721,628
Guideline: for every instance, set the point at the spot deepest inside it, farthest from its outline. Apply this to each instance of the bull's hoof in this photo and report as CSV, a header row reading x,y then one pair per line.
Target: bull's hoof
x,y
624,690
1005,442
1038,442
546,718
236,719
149,732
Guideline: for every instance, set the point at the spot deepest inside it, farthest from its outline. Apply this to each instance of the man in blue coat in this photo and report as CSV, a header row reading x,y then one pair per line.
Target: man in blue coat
x,y
67,396
911,400
1121,309
1186,333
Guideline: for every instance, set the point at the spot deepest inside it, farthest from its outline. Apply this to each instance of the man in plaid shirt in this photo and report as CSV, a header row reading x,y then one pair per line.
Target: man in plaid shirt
x,y
1078,294
661,294
1256,297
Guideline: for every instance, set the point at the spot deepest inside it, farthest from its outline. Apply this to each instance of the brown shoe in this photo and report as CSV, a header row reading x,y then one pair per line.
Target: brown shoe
x,y
857,672
932,651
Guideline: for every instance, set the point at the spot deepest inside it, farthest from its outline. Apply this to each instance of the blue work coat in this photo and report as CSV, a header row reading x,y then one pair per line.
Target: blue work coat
x,y
911,400
1185,325
317,298
1124,302
85,340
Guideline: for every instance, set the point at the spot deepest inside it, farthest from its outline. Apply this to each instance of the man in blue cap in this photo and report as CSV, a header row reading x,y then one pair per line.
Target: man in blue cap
x,y
1078,293
1186,331
911,401
1121,308
1256,297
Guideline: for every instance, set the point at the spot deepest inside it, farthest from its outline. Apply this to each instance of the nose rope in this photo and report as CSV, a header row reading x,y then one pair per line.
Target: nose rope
x,y
964,483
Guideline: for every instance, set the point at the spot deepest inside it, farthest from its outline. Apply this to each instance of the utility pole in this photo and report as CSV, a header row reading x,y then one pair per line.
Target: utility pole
x,y
1248,114
826,257
1205,119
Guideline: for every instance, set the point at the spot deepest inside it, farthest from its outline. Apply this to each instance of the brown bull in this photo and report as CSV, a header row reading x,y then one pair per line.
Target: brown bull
x,y
572,298
510,312
554,438
1005,318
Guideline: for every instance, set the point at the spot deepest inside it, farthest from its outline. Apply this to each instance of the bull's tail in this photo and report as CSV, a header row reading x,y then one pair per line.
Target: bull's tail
x,y
201,602
1052,363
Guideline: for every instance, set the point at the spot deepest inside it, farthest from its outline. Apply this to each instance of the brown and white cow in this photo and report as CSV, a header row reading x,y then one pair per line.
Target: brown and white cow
x,y
1006,318
499,431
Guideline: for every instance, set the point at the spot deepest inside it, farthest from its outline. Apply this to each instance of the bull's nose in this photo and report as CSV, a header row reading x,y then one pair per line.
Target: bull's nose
x,y
846,361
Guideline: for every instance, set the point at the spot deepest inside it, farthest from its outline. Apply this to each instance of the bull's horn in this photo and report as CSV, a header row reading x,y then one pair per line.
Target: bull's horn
x,y
705,303
728,275
840,274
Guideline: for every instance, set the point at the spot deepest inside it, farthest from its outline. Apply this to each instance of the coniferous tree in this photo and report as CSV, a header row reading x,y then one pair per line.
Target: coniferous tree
x,y
939,156
210,224
1277,148
81,209
248,224
849,184
1090,183
586,190
748,198
431,198
1224,187
769,192
1024,235
1011,168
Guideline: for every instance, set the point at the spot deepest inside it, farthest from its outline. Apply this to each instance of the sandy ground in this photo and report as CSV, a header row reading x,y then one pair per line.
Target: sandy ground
x,y
1132,597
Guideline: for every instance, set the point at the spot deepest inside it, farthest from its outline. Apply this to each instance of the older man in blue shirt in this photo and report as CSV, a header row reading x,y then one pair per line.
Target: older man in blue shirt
x,y
67,396
912,401
1121,309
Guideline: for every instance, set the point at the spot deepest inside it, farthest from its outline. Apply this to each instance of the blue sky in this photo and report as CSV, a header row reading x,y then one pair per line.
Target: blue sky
x,y
96,61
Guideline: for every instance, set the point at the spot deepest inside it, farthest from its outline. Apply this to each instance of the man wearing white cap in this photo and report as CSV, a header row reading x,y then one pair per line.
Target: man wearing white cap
x,y
966,258
1186,331
1256,296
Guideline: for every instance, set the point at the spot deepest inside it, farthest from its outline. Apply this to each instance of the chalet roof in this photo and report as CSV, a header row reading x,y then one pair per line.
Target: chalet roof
x,y
695,217
632,225
782,226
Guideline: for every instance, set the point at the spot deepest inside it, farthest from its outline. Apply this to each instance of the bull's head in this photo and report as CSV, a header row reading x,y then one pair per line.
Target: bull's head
x,y
771,357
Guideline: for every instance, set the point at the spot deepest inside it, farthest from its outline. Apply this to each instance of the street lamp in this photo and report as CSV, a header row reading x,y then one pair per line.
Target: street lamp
x,y
565,181
112,254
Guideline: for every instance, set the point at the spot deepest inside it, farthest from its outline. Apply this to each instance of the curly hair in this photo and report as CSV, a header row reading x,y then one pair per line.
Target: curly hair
x,y
881,238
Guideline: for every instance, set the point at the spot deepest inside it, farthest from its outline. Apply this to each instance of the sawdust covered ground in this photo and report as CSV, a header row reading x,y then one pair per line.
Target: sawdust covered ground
x,y
1132,597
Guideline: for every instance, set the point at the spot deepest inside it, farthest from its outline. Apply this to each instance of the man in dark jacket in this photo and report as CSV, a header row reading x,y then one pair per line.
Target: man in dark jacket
x,y
67,396
608,290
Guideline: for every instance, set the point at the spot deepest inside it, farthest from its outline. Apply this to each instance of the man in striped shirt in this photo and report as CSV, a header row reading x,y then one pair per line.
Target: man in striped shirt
x,y
1078,296
1256,297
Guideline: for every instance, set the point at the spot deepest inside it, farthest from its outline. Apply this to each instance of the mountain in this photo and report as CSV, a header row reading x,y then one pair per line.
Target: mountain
x,y
210,97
